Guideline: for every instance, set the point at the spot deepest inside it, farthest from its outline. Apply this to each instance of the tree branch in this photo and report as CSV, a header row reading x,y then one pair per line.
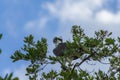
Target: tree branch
x,y
62,66
78,64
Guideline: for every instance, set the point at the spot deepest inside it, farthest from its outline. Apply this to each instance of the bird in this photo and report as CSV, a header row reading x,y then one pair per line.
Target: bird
x,y
61,47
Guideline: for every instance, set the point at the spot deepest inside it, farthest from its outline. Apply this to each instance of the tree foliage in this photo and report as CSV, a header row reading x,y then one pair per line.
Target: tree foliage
x,y
35,53
9,77
0,38
99,48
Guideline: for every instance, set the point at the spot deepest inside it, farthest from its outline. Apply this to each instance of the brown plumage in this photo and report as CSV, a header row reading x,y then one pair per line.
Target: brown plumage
x,y
59,50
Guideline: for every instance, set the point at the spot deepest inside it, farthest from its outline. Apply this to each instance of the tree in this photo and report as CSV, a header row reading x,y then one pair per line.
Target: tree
x,y
9,77
0,38
98,48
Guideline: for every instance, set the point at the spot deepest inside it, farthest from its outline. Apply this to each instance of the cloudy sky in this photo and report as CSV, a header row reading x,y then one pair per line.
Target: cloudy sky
x,y
50,18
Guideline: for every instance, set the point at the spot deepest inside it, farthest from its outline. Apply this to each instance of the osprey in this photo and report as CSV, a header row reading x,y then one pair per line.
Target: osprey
x,y
60,47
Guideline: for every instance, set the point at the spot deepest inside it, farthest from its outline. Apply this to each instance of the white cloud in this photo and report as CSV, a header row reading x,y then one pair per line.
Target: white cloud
x,y
74,10
82,11
108,17
85,12
36,24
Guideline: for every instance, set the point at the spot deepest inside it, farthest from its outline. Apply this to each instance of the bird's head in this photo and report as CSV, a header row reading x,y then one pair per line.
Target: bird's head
x,y
57,40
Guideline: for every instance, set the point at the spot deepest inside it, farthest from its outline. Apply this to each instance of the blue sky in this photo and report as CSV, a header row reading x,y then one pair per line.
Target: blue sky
x,y
50,18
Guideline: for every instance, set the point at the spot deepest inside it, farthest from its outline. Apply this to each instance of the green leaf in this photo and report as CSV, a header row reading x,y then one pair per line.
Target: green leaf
x,y
9,77
118,39
110,34
109,41
18,56
0,36
29,39
0,50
